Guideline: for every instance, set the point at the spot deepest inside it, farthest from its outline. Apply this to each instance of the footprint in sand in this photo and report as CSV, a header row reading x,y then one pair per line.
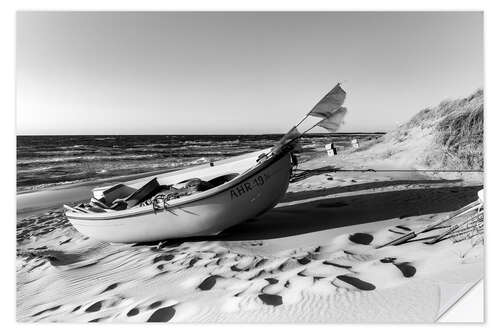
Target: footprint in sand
x,y
269,299
154,305
110,287
235,268
193,261
347,264
159,316
133,312
326,262
361,238
272,280
208,283
76,308
163,257
357,283
65,241
162,314
407,269
387,260
94,307
97,320
304,261
46,311
405,228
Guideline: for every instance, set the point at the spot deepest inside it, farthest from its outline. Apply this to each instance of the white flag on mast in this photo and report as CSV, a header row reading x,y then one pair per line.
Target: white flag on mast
x,y
330,103
334,121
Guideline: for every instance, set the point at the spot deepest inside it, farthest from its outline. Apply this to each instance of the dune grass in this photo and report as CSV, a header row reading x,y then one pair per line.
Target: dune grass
x,y
447,136
460,133
457,126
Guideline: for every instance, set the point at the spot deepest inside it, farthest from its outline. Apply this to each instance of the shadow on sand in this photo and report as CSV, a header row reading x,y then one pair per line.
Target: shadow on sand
x,y
331,213
293,196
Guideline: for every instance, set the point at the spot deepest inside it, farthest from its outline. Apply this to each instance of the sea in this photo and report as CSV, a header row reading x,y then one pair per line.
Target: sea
x,y
47,161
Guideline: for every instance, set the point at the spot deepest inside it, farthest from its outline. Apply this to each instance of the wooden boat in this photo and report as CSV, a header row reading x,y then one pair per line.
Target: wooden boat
x,y
242,188
202,200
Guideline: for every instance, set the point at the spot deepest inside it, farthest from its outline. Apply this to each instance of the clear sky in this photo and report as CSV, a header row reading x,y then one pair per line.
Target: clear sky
x,y
236,73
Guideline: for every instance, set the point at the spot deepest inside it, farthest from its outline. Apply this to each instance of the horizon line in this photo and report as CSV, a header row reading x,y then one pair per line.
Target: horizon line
x,y
204,134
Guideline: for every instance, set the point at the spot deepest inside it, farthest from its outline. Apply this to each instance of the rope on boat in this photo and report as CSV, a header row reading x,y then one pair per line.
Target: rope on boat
x,y
159,202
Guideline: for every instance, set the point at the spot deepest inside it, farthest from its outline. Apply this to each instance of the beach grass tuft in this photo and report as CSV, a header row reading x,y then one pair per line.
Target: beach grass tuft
x,y
456,131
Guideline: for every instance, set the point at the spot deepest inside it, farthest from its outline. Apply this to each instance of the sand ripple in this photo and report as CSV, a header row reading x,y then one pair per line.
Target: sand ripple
x,y
72,278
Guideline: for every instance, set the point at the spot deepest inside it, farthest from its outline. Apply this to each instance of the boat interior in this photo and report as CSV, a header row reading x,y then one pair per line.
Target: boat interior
x,y
168,186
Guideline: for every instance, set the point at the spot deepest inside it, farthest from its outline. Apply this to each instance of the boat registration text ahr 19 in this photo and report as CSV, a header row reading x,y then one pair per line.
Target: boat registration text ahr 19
x,y
248,186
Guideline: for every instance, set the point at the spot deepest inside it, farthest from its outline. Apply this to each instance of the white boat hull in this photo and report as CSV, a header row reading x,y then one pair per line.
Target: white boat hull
x,y
248,196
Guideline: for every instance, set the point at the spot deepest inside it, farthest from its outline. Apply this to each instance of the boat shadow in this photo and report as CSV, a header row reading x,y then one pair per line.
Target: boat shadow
x,y
294,196
331,213
319,213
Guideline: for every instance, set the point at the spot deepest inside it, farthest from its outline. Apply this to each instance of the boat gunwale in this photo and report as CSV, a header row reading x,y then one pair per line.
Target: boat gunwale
x,y
149,209
198,167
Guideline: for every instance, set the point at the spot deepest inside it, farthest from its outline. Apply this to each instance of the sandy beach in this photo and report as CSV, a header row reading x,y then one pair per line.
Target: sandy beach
x,y
313,258
320,166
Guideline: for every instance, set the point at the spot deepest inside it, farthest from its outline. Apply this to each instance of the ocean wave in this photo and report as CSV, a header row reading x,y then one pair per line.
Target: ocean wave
x,y
49,161
201,143
152,145
200,161
84,158
58,152
32,170
156,150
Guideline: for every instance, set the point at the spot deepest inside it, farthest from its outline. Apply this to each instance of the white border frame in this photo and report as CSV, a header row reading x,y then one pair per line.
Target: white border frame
x,y
492,23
